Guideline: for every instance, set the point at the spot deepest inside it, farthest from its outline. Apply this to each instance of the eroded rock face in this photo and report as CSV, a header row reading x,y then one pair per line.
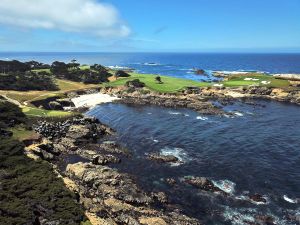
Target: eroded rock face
x,y
113,148
97,158
78,129
173,101
109,183
116,199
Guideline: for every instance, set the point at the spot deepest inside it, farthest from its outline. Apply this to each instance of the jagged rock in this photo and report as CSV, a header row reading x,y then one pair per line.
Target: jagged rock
x,y
203,184
109,182
80,133
192,90
193,102
160,197
113,147
67,144
171,181
259,90
163,158
98,159
152,221
258,198
105,159
115,197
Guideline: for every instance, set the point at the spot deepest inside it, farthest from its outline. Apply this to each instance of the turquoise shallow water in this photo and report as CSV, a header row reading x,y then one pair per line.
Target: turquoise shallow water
x,y
256,151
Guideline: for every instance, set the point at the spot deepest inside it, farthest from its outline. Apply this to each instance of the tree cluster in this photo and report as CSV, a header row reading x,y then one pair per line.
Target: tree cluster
x,y
25,81
71,71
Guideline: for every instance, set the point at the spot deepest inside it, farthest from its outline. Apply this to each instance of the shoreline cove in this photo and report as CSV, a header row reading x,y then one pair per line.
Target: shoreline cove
x,y
101,157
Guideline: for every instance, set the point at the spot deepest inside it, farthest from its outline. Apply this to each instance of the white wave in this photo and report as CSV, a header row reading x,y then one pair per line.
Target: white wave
x,y
238,114
149,113
174,113
225,185
293,201
201,118
116,67
228,116
186,115
231,72
156,141
177,152
245,216
239,217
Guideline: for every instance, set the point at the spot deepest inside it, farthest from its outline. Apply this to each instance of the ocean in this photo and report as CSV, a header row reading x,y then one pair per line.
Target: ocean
x,y
256,151
174,64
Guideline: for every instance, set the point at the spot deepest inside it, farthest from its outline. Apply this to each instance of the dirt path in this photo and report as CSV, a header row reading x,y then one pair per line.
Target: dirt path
x,y
12,100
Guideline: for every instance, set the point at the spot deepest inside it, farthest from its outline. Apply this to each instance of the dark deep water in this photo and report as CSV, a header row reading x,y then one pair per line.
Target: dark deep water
x,y
257,151
174,64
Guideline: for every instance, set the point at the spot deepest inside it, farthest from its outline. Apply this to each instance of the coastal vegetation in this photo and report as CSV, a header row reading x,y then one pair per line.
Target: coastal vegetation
x,y
30,192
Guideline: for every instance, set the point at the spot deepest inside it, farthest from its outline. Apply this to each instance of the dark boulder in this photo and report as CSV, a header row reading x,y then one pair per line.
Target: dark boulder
x,y
121,73
163,158
203,183
136,83
258,198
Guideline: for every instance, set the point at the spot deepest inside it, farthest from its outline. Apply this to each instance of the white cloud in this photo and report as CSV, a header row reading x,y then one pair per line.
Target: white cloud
x,y
82,16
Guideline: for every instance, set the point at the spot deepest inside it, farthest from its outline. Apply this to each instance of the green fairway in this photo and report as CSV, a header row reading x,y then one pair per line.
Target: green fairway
x,y
169,85
36,112
260,80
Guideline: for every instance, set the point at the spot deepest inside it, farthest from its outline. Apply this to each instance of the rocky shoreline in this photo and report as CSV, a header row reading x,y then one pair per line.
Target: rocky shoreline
x,y
112,197
198,98
109,197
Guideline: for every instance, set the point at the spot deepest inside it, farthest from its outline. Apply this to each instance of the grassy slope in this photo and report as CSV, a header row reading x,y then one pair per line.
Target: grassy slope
x,y
64,86
35,112
170,84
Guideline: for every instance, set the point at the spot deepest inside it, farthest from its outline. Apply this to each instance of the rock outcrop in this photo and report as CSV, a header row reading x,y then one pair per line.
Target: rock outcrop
x,y
204,184
116,199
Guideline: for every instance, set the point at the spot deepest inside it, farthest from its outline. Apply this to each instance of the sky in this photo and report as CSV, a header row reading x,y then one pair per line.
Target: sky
x,y
150,26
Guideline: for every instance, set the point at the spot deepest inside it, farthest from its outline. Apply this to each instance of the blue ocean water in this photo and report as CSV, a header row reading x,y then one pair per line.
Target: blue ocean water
x,y
256,151
175,64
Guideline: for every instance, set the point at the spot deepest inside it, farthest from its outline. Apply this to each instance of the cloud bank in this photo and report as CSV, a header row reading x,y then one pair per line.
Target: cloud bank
x,y
81,16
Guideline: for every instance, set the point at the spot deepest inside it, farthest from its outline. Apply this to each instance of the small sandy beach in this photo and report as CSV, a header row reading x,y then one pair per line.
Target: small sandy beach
x,y
92,100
